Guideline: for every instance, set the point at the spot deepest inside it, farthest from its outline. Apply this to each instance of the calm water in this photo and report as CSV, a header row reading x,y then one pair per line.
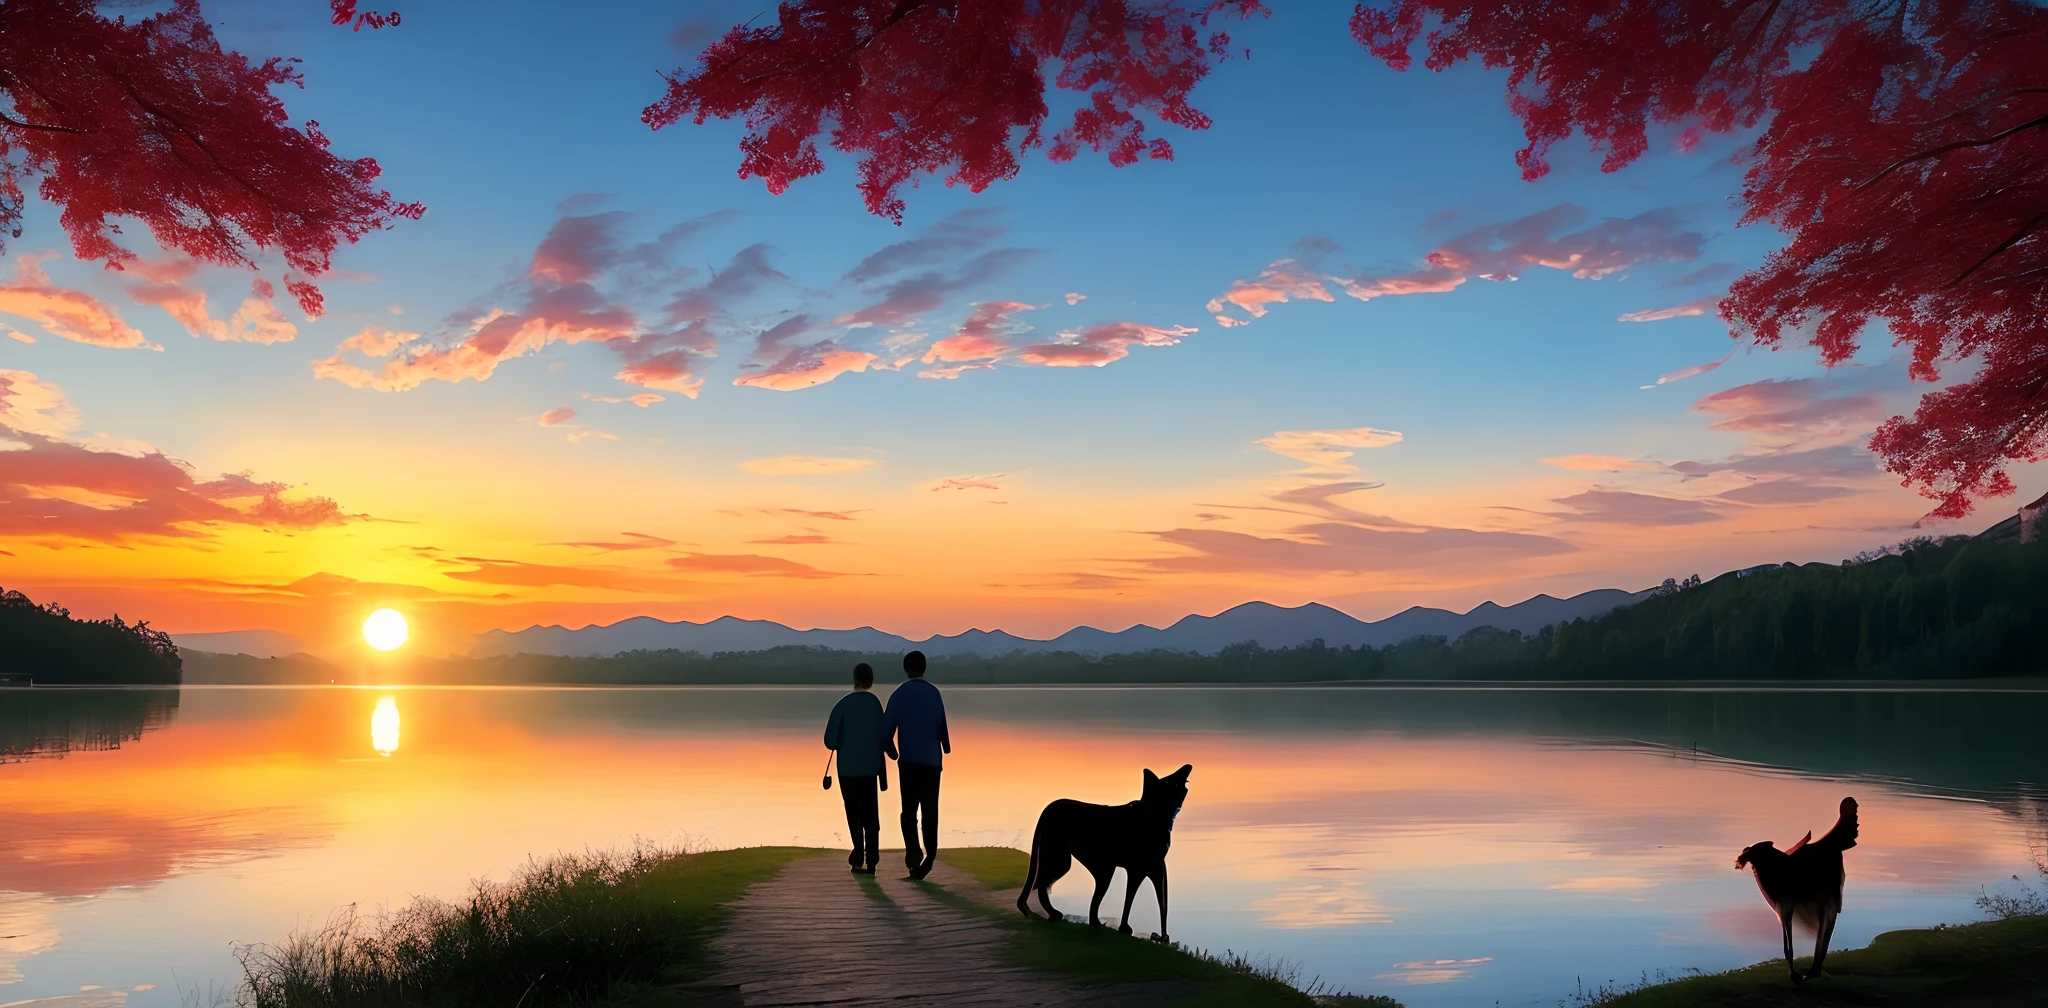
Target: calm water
x,y
1449,847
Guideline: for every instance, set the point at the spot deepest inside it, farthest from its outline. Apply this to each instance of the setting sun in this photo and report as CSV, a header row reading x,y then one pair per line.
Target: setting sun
x,y
385,629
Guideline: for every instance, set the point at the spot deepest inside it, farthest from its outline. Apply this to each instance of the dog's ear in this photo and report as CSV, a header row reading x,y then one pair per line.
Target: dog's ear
x,y
1181,774
1150,779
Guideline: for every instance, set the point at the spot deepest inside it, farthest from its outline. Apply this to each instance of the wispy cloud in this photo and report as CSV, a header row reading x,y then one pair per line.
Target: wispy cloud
x,y
806,465
65,313
1697,306
1327,452
1691,370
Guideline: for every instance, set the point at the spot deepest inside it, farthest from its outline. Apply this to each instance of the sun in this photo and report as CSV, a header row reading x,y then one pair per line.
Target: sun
x,y
385,629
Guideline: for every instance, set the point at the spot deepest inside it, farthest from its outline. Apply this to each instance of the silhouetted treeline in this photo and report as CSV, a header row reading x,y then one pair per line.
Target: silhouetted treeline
x,y
45,643
1960,608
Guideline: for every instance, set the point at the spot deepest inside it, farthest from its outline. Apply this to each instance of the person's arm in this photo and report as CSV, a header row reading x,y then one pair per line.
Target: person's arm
x,y
945,740
834,726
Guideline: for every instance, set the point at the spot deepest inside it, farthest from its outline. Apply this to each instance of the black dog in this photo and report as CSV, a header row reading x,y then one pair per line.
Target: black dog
x,y
1805,882
1104,838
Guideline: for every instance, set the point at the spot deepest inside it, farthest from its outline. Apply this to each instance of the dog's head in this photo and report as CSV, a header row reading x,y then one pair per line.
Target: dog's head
x,y
1167,792
1755,853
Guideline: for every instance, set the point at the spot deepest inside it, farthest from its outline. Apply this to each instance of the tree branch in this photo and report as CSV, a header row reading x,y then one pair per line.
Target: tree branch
x,y
11,121
2017,236
1957,145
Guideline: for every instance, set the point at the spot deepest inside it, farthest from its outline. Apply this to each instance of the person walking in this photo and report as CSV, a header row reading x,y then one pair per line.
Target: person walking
x,y
917,719
858,734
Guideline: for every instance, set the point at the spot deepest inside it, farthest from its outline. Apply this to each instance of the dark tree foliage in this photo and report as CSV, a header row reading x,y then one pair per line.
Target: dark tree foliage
x,y
45,643
50,724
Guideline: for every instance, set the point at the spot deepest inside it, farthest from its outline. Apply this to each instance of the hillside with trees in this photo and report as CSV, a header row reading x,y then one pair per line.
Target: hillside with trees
x,y
44,644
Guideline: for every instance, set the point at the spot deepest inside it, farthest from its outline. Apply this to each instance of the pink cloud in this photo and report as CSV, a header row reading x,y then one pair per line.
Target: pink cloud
x,y
1279,282
1098,345
749,564
804,367
33,405
557,417
1620,507
984,336
1690,370
640,399
905,299
950,240
1794,411
1074,297
257,320
627,541
1697,306
1344,548
568,315
65,313
1506,251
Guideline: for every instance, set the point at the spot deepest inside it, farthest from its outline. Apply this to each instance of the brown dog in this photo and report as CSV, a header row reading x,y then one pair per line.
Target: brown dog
x,y
1805,883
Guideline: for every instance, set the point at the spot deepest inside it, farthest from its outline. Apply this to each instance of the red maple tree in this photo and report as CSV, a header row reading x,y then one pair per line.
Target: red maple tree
x,y
153,120
916,87
1904,154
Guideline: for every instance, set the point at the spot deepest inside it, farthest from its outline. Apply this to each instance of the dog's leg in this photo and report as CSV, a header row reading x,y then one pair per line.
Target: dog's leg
x,y
1102,880
1030,874
1821,936
1054,867
1159,887
1785,918
1132,880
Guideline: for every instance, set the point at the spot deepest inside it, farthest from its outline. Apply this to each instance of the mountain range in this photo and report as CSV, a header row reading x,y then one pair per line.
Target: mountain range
x,y
1270,625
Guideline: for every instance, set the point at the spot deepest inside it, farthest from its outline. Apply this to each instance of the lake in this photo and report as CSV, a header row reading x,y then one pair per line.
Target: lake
x,y
1447,846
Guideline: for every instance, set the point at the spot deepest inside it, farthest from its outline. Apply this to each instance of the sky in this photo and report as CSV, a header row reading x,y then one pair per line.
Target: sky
x,y
1335,351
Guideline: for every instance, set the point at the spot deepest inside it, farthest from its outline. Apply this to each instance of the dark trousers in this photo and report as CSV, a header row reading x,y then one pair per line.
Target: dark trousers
x,y
920,793
863,821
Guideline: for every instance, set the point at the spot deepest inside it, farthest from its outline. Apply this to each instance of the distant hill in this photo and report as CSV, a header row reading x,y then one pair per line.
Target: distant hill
x,y
255,643
1269,625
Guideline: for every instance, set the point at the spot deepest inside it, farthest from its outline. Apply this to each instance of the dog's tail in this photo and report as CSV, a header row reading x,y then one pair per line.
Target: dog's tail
x,y
1031,873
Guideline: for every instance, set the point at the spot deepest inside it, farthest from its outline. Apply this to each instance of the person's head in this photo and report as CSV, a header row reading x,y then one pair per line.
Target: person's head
x,y
863,676
913,664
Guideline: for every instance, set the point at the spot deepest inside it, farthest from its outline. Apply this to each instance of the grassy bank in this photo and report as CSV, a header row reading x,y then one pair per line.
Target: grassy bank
x,y
2002,962
1103,956
573,929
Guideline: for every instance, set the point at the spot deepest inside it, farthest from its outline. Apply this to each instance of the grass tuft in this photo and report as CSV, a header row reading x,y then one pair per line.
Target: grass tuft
x,y
570,929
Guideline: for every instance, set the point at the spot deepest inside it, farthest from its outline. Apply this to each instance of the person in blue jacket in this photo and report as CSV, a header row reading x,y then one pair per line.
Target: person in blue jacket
x,y
858,732
917,717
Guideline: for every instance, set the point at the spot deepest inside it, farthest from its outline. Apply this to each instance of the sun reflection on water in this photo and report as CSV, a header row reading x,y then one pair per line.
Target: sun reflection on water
x,y
384,726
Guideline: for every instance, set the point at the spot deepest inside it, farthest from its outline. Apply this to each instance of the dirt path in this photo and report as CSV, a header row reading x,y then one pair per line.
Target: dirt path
x,y
819,935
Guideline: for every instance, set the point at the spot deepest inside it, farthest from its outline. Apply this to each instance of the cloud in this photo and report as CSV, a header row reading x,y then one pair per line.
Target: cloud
x,y
749,564
34,406
987,482
797,539
1705,274
1074,297
54,489
563,417
905,299
806,465
1785,492
573,314
257,320
1098,345
1327,451
1804,412
1622,507
640,399
519,574
1697,306
1343,548
984,338
805,367
1281,281
557,417
628,541
1506,251
949,240
1603,463
820,515
1691,370
65,313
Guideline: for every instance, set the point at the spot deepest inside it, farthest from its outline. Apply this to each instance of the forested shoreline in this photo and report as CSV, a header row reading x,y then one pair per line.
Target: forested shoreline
x,y
44,644
1928,609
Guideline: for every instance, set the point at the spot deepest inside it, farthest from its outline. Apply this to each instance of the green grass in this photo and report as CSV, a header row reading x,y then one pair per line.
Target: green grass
x,y
1100,956
2001,962
572,929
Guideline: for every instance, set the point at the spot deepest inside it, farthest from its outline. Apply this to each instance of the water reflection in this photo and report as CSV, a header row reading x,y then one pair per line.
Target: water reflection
x,y
1447,847
384,726
48,723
